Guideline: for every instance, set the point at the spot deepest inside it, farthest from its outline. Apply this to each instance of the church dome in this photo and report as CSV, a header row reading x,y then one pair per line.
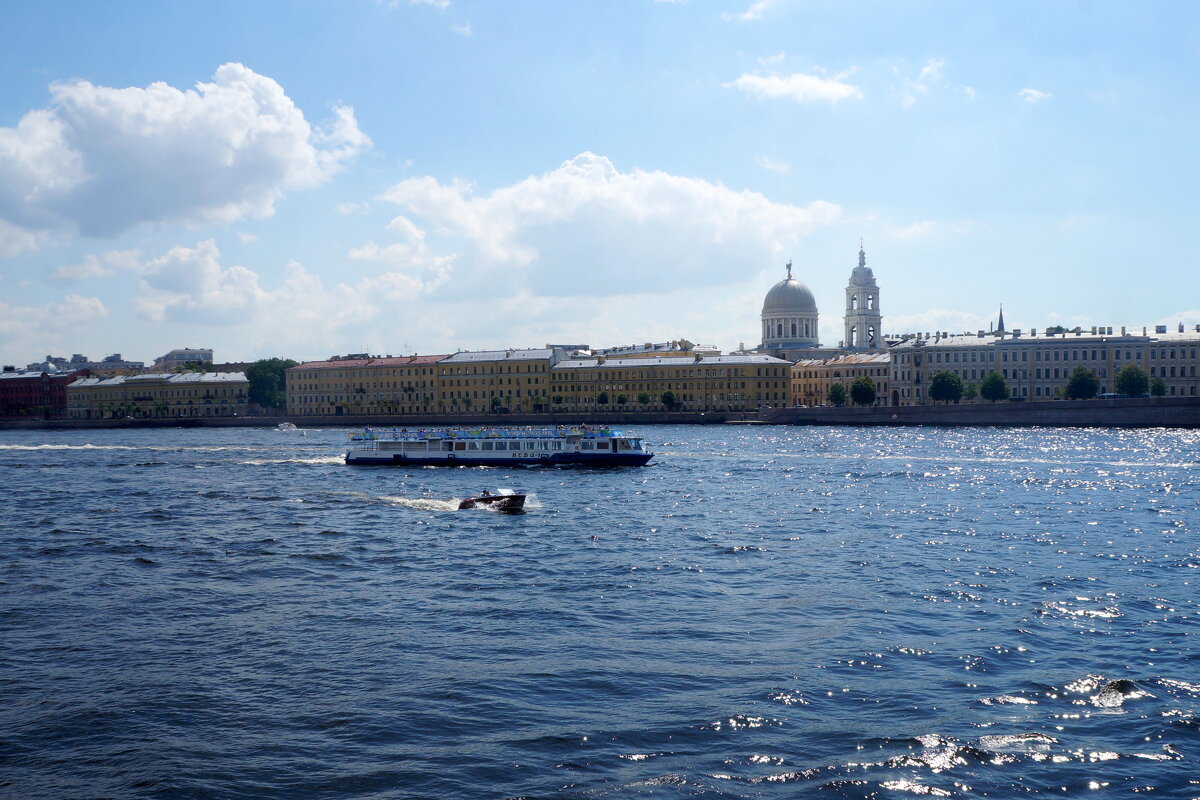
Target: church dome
x,y
789,296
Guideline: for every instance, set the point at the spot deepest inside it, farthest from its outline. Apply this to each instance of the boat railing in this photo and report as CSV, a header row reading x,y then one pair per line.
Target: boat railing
x,y
404,434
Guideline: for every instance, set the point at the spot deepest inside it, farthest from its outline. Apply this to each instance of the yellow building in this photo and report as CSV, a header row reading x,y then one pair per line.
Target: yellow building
x,y
698,383
812,379
495,380
363,385
179,395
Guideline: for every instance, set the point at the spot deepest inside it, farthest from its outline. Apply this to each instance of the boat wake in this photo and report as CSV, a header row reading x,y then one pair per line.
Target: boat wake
x,y
422,504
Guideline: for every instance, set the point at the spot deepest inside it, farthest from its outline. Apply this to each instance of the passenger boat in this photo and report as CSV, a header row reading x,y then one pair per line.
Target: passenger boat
x,y
498,447
500,502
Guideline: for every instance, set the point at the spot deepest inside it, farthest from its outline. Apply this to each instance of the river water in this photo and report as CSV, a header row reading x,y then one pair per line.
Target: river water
x,y
764,612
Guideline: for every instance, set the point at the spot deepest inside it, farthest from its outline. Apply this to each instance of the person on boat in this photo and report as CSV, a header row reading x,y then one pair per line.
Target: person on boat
x,y
485,493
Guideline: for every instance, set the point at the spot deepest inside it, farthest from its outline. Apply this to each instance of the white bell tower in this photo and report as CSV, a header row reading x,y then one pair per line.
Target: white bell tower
x,y
864,322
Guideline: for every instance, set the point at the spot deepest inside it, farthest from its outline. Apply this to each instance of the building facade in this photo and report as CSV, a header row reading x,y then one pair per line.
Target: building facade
x,y
698,383
479,382
183,356
1039,367
35,395
177,395
811,380
363,385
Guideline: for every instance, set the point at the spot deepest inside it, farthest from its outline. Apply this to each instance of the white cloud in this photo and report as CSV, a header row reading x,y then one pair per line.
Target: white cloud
x,y
940,319
190,285
798,86
969,92
754,11
933,69
775,59
102,160
782,167
1034,95
101,266
346,209
440,5
463,30
587,228
14,240
246,238
41,329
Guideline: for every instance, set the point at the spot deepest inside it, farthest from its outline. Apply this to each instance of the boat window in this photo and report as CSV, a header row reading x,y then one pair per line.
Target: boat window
x,y
487,445
601,445
460,445
586,445
501,445
472,445
636,444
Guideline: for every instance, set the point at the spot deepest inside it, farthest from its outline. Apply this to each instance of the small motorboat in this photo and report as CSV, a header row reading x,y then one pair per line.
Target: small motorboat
x,y
500,502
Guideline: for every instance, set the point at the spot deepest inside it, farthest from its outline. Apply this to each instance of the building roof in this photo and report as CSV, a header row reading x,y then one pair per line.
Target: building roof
x,y
475,356
862,275
671,361
853,359
345,363
790,296
1012,339
179,378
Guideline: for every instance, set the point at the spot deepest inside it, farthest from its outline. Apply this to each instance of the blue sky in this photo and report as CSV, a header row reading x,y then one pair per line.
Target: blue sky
x,y
304,179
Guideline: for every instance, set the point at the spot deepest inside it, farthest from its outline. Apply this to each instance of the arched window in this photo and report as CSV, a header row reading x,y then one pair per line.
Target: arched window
x,y
779,330
871,336
854,302
807,334
793,330
870,302
852,339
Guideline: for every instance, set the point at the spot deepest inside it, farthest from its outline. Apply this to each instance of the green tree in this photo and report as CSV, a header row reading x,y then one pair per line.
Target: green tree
x,y
1132,381
970,391
669,400
496,401
1158,387
946,387
602,399
862,391
643,399
622,400
1082,385
268,381
837,394
993,387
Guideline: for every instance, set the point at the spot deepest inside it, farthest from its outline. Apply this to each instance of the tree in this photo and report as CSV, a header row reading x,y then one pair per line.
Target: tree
x,y
837,395
862,391
1082,385
970,392
643,399
622,400
1132,381
945,386
268,381
1158,387
669,400
496,401
993,387
602,399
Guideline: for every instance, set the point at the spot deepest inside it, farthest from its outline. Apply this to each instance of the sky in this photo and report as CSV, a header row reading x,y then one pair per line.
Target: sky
x,y
304,179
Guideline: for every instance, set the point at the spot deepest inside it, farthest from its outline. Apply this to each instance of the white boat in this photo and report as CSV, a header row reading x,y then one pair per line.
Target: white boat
x,y
498,447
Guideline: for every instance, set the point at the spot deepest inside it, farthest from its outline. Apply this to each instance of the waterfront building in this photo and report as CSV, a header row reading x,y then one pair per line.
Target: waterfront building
x,y
1038,367
479,382
811,379
182,395
183,356
363,384
738,382
35,394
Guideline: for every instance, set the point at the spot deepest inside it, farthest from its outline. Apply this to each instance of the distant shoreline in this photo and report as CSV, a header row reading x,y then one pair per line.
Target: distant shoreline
x,y
1167,412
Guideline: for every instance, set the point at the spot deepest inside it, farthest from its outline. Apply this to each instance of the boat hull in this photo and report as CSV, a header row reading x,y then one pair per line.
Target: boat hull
x,y
470,459
500,502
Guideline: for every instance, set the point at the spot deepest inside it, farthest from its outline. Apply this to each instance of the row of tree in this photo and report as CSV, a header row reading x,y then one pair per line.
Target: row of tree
x,y
1131,381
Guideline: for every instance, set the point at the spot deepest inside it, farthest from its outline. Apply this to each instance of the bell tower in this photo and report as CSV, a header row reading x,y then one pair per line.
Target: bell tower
x,y
864,322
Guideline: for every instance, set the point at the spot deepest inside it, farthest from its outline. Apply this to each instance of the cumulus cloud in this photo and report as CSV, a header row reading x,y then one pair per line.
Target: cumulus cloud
x,y
798,86
463,30
588,227
1034,95
101,160
190,285
14,240
754,11
928,227
940,319
37,329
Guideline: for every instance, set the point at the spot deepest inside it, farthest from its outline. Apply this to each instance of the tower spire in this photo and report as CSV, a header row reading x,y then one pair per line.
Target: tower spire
x,y
1000,324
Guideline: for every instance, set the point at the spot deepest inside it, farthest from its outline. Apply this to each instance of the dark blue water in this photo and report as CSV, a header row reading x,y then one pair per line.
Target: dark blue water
x,y
762,613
